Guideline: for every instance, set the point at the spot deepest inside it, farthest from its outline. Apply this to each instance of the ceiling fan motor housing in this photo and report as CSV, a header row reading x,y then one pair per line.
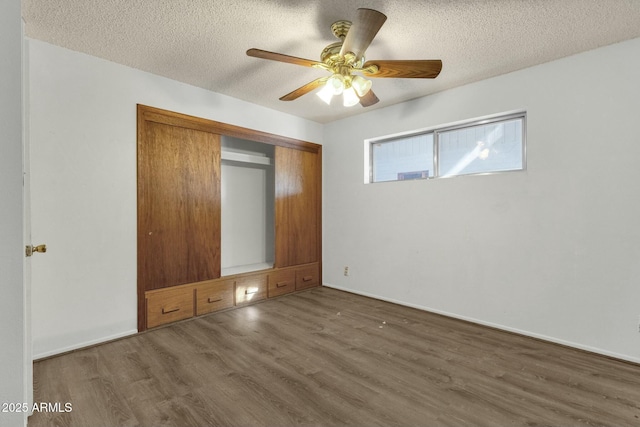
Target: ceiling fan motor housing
x,y
340,29
328,52
331,54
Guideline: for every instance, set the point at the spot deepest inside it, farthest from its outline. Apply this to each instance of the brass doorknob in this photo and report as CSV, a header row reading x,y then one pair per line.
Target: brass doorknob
x,y
30,249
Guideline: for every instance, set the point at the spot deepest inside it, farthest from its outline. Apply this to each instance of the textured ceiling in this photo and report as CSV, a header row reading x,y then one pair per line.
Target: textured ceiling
x,y
203,42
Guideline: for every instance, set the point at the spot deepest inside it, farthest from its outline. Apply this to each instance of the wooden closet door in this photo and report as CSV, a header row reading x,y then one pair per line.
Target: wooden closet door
x,y
297,206
178,206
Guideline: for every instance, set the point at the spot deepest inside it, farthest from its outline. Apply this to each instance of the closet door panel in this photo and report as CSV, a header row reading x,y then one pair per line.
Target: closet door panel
x,y
297,206
178,206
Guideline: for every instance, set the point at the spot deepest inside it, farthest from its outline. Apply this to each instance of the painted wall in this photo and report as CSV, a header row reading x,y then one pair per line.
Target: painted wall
x,y
552,252
83,142
13,384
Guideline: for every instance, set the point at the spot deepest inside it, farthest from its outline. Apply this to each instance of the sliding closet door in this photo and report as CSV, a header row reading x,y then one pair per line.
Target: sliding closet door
x,y
298,189
178,206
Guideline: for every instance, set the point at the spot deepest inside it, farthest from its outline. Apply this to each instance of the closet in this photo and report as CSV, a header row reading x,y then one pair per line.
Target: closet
x,y
227,216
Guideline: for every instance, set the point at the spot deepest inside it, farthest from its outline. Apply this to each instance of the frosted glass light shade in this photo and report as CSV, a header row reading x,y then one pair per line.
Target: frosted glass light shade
x,y
336,83
350,98
326,93
361,85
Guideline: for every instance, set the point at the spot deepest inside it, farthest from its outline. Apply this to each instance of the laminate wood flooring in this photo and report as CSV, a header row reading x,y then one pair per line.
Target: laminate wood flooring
x,y
330,358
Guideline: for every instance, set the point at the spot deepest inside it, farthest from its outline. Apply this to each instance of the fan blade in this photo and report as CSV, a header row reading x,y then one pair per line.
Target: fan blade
x,y
362,31
273,56
420,69
368,99
303,90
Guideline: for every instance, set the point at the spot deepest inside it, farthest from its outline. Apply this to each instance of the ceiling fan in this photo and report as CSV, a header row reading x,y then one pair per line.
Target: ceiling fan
x,y
346,62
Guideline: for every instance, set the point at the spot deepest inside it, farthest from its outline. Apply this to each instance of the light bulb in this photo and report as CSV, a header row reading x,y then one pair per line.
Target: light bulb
x,y
326,93
336,83
350,98
361,85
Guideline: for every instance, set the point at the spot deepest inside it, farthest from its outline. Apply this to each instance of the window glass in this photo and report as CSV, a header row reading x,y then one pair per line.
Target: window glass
x,y
493,147
403,158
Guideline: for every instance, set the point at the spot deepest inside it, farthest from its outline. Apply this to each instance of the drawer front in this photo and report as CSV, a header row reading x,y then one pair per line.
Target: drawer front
x,y
282,282
308,276
169,305
251,288
212,296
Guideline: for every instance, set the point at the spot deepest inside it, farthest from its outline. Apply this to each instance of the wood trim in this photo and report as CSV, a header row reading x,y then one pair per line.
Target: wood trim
x,y
158,115
319,213
142,300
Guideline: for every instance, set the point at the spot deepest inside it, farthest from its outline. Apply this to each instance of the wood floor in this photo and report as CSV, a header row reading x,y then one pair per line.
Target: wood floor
x,y
330,358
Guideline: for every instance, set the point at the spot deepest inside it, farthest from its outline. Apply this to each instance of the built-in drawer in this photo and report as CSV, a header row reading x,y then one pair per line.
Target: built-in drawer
x,y
282,282
307,276
214,295
251,288
169,305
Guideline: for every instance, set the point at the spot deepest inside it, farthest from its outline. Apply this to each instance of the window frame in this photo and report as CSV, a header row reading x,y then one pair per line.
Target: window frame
x,y
436,144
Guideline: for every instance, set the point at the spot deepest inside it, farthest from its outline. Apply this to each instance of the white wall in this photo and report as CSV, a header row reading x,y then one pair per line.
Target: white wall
x,y
13,387
83,141
552,252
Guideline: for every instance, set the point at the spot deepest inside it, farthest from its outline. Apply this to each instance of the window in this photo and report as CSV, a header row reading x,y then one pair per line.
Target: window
x,y
486,146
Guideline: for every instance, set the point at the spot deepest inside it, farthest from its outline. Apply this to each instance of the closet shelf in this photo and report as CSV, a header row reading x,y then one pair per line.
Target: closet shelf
x,y
245,158
230,271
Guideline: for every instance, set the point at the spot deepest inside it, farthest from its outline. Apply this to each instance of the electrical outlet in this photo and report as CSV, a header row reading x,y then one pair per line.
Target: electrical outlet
x,y
346,271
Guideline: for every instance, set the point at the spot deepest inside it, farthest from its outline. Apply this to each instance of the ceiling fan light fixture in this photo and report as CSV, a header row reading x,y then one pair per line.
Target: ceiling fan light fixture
x,y
350,98
361,85
336,83
326,93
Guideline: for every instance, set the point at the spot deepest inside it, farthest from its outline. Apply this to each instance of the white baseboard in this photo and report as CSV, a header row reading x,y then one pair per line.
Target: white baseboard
x,y
83,344
492,325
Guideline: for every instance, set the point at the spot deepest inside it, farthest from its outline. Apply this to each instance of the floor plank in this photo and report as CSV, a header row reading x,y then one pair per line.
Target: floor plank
x,y
330,358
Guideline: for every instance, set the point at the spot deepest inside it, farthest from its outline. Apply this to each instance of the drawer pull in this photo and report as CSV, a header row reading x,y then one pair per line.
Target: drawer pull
x,y
281,284
170,311
307,278
211,301
250,291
